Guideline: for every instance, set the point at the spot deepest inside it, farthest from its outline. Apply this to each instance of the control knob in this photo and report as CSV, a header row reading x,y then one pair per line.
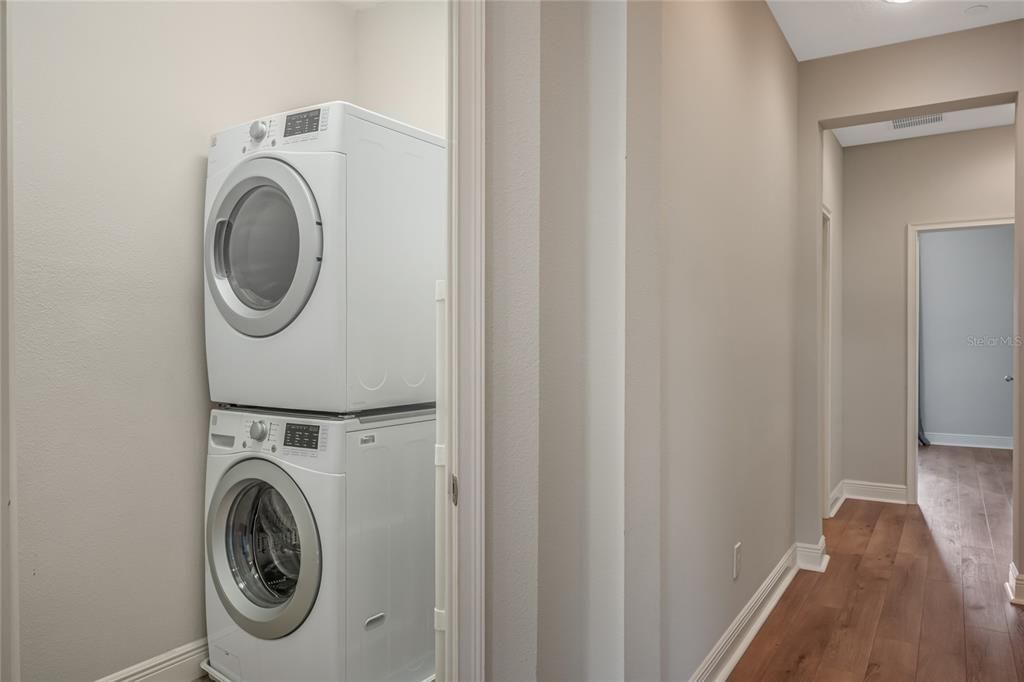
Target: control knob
x,y
257,131
258,431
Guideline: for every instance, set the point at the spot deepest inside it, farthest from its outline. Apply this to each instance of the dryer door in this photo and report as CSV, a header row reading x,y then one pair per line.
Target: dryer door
x,y
264,242
263,549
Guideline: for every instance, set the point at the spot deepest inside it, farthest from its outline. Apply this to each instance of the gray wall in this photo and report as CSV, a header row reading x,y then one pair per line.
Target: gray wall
x,y
729,195
401,61
960,176
582,271
109,385
708,343
966,322
513,303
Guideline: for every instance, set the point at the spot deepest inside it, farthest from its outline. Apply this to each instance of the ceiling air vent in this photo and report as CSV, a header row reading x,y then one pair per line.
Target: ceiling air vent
x,y
914,121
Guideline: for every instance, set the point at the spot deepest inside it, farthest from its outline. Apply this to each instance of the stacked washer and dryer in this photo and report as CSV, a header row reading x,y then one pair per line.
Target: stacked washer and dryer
x,y
323,245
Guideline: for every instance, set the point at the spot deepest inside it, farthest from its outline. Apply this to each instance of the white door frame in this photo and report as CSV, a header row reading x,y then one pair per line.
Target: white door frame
x,y
826,359
913,331
9,636
466,300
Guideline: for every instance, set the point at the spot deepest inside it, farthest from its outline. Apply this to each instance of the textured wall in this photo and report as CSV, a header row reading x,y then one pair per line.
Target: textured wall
x,y
582,279
112,108
513,346
401,61
729,195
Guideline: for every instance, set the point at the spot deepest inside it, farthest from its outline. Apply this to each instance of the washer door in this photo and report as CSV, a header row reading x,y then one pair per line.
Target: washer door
x,y
264,243
263,549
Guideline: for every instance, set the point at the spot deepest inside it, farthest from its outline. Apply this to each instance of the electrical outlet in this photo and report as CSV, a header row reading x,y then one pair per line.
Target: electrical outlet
x,y
737,554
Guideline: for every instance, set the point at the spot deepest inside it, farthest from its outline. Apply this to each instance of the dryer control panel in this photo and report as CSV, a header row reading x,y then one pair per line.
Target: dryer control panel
x,y
286,129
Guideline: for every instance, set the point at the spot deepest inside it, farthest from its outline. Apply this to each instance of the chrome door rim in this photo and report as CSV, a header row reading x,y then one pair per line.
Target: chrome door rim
x,y
260,621
249,175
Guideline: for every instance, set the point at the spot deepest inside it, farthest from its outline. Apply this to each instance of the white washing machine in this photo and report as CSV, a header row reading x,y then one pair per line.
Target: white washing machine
x,y
319,547
324,242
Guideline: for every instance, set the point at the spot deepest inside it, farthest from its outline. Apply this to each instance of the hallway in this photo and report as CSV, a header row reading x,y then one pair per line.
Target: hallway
x,y
911,592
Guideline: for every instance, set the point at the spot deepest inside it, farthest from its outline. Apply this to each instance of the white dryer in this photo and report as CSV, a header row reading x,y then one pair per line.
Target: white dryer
x,y
319,547
324,242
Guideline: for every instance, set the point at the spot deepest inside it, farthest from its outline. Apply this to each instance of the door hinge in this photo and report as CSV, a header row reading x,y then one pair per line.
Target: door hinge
x,y
455,490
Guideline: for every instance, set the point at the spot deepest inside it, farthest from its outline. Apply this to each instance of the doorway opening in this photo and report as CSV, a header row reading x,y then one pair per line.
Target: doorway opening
x,y
891,185
960,350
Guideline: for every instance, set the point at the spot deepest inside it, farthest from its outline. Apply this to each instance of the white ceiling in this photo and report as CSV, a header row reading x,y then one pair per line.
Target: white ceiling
x,y
953,121
819,28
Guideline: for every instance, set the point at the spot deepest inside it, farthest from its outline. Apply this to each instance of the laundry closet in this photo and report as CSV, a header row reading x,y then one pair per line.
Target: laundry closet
x,y
230,221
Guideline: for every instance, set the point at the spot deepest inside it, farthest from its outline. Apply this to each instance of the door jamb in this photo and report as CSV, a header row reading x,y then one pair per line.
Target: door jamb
x,y
466,334
9,606
826,360
913,331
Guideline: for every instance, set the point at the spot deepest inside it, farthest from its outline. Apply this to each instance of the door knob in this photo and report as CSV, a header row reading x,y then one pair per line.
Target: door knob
x,y
1007,378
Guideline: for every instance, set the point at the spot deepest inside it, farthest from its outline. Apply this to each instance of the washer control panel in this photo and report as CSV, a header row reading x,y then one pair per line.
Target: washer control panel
x,y
301,436
282,436
258,431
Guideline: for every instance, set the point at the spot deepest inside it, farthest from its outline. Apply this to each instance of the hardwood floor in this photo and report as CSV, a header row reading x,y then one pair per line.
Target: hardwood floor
x,y
911,592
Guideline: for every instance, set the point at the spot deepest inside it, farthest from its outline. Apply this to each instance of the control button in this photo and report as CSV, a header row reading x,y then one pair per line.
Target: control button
x,y
258,130
258,431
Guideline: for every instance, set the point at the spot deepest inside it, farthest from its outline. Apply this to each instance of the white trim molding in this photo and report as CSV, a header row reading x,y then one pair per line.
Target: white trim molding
x,y
865,490
876,492
970,440
177,665
811,557
730,648
835,500
1015,586
467,323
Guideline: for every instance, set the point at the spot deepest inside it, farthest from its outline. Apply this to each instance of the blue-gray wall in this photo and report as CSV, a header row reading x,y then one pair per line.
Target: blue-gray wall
x,y
966,329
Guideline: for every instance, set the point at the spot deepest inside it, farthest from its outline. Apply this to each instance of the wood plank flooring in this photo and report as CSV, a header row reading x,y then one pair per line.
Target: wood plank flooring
x,y
911,592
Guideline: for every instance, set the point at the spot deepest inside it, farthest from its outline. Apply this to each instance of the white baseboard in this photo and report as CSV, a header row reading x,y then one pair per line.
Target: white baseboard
x,y
176,665
835,499
862,489
728,650
812,557
1015,586
970,440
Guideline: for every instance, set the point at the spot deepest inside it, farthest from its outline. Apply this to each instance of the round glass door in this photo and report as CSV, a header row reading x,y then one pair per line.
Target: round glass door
x,y
263,549
263,545
263,247
260,248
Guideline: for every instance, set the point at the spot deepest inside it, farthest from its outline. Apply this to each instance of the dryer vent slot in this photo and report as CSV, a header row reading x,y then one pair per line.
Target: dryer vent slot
x,y
222,440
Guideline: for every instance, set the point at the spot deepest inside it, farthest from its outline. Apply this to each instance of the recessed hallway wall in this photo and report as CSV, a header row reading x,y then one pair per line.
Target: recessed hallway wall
x,y
729,183
960,176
